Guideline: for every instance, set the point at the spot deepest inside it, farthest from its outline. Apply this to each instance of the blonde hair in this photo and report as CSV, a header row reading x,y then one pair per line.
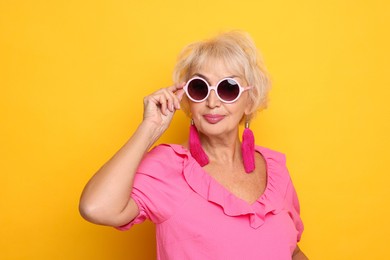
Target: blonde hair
x,y
238,52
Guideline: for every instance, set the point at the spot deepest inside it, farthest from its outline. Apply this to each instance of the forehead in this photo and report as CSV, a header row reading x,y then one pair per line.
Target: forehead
x,y
217,67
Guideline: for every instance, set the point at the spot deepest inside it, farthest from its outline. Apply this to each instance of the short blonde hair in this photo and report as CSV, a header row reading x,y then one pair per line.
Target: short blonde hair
x,y
238,52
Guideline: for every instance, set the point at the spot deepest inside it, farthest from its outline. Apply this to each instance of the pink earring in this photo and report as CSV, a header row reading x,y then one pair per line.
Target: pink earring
x,y
196,147
248,149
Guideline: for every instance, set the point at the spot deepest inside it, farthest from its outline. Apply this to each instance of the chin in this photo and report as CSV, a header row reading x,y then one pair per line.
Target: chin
x,y
216,130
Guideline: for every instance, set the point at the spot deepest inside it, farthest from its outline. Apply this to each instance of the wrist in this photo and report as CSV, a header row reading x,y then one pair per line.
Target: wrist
x,y
150,131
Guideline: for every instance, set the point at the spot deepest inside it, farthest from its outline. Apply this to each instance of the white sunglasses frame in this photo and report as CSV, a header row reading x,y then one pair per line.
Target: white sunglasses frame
x,y
241,89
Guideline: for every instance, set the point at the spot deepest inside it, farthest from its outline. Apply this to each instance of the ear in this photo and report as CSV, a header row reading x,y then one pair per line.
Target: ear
x,y
249,108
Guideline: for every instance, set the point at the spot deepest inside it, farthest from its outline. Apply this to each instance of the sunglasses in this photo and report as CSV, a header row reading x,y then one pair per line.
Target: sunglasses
x,y
227,90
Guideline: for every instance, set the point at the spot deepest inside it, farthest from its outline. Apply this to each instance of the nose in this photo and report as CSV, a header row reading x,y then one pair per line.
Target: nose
x,y
213,100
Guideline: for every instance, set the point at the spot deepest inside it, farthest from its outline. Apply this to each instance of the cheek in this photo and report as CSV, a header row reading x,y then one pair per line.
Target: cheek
x,y
194,109
196,115
241,107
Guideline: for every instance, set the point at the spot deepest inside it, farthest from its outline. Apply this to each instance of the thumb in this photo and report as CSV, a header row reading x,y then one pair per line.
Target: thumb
x,y
180,94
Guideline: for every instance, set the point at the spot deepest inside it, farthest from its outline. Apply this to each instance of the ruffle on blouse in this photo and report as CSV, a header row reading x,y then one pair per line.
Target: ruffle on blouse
x,y
271,201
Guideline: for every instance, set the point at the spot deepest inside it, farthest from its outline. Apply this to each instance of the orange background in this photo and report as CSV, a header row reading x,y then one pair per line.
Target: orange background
x,y
73,75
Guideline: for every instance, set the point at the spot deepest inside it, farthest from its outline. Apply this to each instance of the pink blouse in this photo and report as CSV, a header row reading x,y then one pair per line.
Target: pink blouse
x,y
197,218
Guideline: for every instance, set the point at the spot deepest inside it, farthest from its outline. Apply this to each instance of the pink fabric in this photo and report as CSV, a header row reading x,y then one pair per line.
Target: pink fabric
x,y
248,150
197,218
196,148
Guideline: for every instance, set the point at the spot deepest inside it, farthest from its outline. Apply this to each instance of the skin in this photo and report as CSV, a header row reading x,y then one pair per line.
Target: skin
x,y
222,144
106,198
221,140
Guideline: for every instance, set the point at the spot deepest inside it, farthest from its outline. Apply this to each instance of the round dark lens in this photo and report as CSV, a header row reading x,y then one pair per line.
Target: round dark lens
x,y
228,90
197,89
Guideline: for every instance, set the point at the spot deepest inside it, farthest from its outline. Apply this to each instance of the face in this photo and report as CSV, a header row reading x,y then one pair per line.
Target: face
x,y
213,117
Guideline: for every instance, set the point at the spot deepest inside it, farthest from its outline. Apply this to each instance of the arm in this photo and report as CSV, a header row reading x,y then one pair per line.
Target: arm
x,y
298,254
106,197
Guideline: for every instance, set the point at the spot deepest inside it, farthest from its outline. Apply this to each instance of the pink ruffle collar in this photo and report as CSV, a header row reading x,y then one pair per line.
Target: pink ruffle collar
x,y
271,201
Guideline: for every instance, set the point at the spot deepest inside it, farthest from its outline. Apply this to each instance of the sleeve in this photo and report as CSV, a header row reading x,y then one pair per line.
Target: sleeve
x,y
155,190
292,205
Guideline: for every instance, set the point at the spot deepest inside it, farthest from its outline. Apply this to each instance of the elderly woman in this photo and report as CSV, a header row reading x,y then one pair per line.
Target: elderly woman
x,y
215,197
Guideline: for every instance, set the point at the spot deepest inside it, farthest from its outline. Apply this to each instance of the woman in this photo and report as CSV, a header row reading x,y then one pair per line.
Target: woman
x,y
215,197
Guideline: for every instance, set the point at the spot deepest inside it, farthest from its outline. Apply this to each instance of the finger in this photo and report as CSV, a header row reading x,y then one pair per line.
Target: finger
x,y
170,101
176,87
178,97
163,104
179,94
173,101
167,100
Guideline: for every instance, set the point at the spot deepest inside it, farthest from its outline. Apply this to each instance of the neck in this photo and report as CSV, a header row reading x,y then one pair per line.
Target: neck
x,y
222,149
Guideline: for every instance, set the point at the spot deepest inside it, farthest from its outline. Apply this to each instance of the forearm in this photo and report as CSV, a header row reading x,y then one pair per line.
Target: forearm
x,y
106,198
107,194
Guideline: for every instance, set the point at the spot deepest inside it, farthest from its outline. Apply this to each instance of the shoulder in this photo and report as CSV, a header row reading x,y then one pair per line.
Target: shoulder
x,y
278,175
270,154
167,152
163,157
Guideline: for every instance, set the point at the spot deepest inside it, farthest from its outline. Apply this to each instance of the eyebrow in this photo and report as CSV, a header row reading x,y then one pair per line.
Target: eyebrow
x,y
203,76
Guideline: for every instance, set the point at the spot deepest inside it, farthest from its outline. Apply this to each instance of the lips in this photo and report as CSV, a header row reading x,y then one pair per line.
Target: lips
x,y
213,118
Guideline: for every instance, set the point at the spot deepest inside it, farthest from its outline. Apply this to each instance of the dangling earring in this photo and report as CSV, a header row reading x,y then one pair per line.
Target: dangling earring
x,y
196,147
248,149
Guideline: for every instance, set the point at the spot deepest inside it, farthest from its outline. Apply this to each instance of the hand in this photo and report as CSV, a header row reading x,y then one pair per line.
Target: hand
x,y
160,106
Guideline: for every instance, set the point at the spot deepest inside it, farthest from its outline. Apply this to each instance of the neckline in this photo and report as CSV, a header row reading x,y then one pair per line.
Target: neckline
x,y
226,190
203,184
233,194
